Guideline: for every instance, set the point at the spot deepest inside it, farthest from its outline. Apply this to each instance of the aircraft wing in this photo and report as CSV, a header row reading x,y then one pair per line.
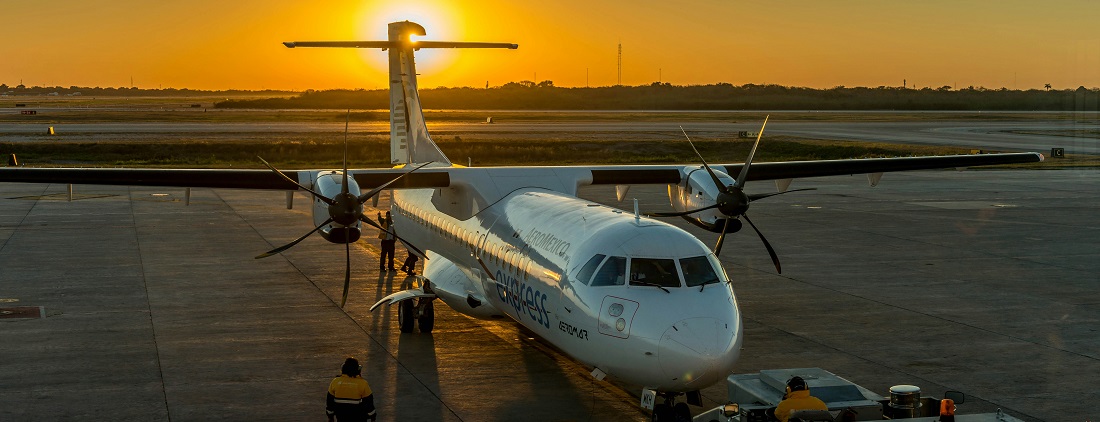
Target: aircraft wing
x,y
194,178
668,174
212,178
446,176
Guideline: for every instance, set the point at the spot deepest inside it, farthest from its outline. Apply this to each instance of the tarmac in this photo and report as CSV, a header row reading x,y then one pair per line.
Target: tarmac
x,y
125,304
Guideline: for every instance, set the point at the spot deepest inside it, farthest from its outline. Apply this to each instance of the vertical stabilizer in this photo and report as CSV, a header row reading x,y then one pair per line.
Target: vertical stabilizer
x,y
409,140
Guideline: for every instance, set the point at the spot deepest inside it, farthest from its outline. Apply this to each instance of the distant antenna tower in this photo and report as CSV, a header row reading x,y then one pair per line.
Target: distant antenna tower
x,y
620,77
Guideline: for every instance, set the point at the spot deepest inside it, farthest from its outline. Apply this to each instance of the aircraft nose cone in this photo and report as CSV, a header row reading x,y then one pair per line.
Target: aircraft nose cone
x,y
692,351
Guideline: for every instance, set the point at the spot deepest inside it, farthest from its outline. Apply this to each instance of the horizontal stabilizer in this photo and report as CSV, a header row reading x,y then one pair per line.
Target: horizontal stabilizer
x,y
395,44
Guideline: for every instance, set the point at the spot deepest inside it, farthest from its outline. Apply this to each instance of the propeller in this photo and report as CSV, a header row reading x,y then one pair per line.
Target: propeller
x,y
732,201
344,209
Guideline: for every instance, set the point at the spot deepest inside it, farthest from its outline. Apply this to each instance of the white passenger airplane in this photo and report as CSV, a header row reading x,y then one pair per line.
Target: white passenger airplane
x,y
620,292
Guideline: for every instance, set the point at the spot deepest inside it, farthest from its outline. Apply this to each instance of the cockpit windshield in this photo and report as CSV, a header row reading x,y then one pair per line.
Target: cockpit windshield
x,y
589,268
657,272
698,271
611,272
661,272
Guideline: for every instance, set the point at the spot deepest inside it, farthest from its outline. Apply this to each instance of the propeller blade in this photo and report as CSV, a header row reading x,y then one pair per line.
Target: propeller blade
x,y
295,242
768,195
748,162
323,198
682,213
775,258
344,186
721,238
408,245
364,197
714,177
416,251
347,269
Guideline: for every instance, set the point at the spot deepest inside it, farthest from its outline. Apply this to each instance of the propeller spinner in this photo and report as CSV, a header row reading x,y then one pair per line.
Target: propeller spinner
x,y
732,201
344,209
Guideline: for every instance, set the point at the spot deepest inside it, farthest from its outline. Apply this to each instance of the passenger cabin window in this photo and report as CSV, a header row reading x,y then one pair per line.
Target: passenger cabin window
x,y
661,272
698,271
612,273
589,268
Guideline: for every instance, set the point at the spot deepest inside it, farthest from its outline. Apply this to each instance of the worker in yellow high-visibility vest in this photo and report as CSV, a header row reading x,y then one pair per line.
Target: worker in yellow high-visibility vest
x,y
797,398
349,396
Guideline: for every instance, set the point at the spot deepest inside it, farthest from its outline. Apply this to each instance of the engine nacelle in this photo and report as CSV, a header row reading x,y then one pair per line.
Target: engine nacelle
x,y
328,183
696,190
457,289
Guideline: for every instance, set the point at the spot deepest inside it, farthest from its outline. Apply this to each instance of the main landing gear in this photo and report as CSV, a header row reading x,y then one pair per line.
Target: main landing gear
x,y
420,311
670,411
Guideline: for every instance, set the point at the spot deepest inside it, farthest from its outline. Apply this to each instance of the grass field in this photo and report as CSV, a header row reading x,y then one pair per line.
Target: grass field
x,y
370,148
295,152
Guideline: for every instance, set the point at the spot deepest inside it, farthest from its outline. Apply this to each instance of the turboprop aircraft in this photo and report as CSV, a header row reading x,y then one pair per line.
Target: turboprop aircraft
x,y
626,294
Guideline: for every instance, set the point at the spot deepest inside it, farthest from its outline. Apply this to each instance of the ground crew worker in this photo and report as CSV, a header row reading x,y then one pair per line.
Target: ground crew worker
x,y
409,266
349,396
797,398
389,243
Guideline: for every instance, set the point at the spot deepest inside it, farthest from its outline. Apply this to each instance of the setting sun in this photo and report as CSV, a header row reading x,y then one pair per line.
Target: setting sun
x,y
437,18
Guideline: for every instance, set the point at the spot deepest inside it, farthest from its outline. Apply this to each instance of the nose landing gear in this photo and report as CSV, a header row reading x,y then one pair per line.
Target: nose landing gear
x,y
670,411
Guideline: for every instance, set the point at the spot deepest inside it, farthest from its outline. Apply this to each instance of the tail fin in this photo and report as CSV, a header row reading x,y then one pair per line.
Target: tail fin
x,y
409,139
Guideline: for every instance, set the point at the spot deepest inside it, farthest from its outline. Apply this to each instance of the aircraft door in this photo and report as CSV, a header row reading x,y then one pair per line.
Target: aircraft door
x,y
479,244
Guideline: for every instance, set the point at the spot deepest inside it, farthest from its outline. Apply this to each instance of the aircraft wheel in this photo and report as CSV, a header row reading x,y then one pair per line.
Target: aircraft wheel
x,y
681,412
405,316
661,413
427,318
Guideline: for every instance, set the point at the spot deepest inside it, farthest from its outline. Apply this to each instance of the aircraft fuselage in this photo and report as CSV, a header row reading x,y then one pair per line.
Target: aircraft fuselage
x,y
567,269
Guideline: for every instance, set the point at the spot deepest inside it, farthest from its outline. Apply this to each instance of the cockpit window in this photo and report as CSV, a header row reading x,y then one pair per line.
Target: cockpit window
x,y
612,273
661,272
698,271
590,267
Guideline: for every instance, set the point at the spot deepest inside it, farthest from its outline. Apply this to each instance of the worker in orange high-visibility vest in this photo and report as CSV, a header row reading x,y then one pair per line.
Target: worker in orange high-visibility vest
x,y
349,396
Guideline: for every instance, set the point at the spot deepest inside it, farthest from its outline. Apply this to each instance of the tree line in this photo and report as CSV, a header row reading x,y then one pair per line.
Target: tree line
x,y
527,95
22,90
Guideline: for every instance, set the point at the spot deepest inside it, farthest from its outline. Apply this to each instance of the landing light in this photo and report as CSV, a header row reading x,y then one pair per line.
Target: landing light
x,y
730,410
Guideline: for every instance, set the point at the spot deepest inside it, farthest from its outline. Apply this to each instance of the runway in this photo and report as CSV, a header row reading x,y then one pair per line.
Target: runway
x,y
1002,134
982,281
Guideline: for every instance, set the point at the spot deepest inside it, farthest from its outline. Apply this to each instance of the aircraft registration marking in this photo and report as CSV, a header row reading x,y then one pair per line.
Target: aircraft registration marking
x,y
567,328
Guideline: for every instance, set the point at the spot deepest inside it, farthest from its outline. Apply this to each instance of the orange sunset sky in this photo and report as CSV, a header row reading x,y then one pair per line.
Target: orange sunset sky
x,y
235,44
